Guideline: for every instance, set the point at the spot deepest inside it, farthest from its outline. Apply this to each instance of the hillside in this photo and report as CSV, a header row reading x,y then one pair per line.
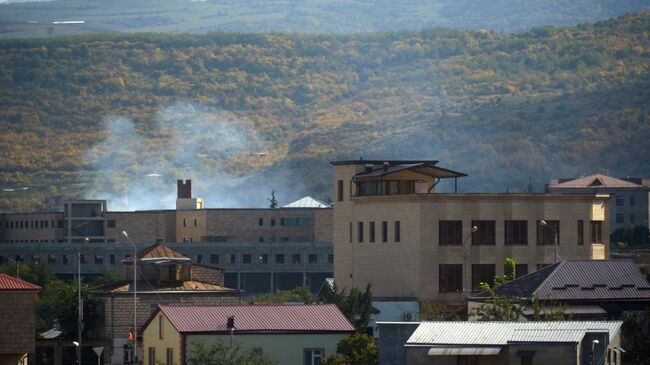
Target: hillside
x,y
36,19
241,114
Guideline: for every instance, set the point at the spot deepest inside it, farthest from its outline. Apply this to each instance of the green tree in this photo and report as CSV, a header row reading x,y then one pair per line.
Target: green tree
x,y
273,201
358,349
509,269
59,303
356,306
299,294
635,338
221,354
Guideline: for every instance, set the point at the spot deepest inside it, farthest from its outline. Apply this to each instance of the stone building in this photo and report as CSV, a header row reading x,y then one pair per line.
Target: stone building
x,y
18,320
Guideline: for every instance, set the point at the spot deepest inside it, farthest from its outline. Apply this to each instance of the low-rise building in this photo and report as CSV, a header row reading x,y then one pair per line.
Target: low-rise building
x,y
18,320
288,334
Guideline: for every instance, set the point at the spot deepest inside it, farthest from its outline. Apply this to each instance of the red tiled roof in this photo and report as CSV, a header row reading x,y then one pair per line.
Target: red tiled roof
x,y
8,282
259,318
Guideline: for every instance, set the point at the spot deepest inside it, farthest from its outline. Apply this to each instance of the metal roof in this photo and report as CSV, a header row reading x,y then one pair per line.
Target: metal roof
x,y
8,282
453,351
501,333
160,252
258,318
381,162
162,287
424,168
594,181
306,202
545,335
569,309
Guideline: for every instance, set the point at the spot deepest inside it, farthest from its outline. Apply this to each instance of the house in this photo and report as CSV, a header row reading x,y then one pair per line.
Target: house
x,y
515,343
289,334
165,276
18,320
585,289
394,229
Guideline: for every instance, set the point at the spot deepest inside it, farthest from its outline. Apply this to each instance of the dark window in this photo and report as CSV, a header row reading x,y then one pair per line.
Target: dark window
x,y
51,259
312,258
112,259
371,231
521,270
467,360
110,223
546,235
451,278
279,258
360,232
596,232
350,232
65,259
620,218
59,223
264,258
170,357
485,234
632,218
214,259
273,222
246,258
384,231
152,356
295,222
82,258
620,201
340,190
99,259
516,232
199,259
184,222
285,239
632,200
527,359
194,222
261,239
233,258
47,223
397,231
313,356
581,232
295,258
161,328
450,233
482,273
330,258
260,222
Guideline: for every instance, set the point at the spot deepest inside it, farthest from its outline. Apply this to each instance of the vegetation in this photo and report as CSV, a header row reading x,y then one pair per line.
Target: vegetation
x,y
356,305
635,337
300,294
358,349
639,235
221,354
501,107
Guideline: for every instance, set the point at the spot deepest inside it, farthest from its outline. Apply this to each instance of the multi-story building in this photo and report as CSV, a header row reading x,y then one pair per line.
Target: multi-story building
x,y
261,249
394,231
628,206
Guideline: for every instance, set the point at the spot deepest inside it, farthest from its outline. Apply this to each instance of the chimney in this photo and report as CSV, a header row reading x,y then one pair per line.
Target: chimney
x,y
184,190
231,323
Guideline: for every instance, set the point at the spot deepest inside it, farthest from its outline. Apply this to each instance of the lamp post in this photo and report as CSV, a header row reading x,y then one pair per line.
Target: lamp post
x,y
80,309
17,267
135,298
593,355
466,251
543,223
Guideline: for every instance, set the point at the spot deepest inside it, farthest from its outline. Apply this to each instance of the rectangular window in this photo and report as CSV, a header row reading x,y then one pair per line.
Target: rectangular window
x,y
295,258
233,258
450,233
451,278
110,223
632,200
59,223
99,259
279,258
620,201
265,258
47,223
360,232
596,232
184,222
371,231
214,259
295,222
350,232
398,231
546,235
313,356
195,222
246,258
384,231
620,218
482,273
51,259
64,259
516,232
82,258
199,259
521,270
161,328
312,258
170,357
330,258
152,356
273,222
527,359
260,239
581,232
260,222
485,234
340,190
632,218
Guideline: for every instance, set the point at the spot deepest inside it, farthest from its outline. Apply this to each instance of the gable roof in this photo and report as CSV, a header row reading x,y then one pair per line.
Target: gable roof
x,y
306,202
595,181
300,318
8,282
161,252
465,333
579,280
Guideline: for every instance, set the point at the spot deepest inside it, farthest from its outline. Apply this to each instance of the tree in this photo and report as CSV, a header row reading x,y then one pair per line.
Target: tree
x,y
221,354
59,303
358,349
635,338
299,294
357,306
273,200
509,269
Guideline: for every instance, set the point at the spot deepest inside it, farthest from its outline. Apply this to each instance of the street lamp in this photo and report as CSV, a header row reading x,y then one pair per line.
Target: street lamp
x,y
135,299
593,355
466,250
543,223
80,310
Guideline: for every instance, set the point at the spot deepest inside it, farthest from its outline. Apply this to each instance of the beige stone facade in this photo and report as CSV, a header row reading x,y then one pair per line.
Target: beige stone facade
x,y
393,241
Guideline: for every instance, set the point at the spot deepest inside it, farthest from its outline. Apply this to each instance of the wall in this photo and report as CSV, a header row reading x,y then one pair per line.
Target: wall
x,y
17,321
171,340
392,337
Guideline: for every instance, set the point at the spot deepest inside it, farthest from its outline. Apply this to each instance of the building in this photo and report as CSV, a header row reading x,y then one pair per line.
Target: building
x,y
628,207
18,320
394,231
165,276
393,336
591,289
262,250
503,343
289,334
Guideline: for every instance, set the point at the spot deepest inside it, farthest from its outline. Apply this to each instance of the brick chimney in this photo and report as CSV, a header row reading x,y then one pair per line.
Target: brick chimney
x,y
184,190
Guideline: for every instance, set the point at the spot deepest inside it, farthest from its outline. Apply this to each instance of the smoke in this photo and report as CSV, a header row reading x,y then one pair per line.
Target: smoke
x,y
136,166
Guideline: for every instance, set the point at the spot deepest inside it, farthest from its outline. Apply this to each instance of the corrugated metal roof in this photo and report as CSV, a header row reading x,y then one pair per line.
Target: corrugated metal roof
x,y
8,282
306,202
452,351
497,333
259,318
569,309
541,335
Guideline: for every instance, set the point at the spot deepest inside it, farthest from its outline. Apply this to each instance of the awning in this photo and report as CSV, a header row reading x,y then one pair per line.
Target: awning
x,y
450,351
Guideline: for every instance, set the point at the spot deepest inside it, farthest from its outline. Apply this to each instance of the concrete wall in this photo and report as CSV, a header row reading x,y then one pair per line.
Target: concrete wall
x,y
17,321
171,340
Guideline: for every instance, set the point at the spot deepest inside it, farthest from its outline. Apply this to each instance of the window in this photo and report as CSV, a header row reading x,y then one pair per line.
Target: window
x,y
581,232
360,232
632,200
260,222
194,222
112,259
451,278
620,201
51,259
384,231
546,235
199,259
285,239
82,258
312,258
521,270
397,231
596,232
313,356
279,258
527,359
59,223
64,259
450,233
467,360
233,258
371,231
260,239
330,258
152,356
110,223
246,258
265,258
99,259
620,218
161,328
273,222
482,273
632,218
170,357
294,222
516,232
485,234
214,259
350,232
184,222
340,190
295,258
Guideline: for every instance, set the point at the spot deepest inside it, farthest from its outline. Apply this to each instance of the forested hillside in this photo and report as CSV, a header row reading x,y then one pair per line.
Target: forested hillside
x,y
246,113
